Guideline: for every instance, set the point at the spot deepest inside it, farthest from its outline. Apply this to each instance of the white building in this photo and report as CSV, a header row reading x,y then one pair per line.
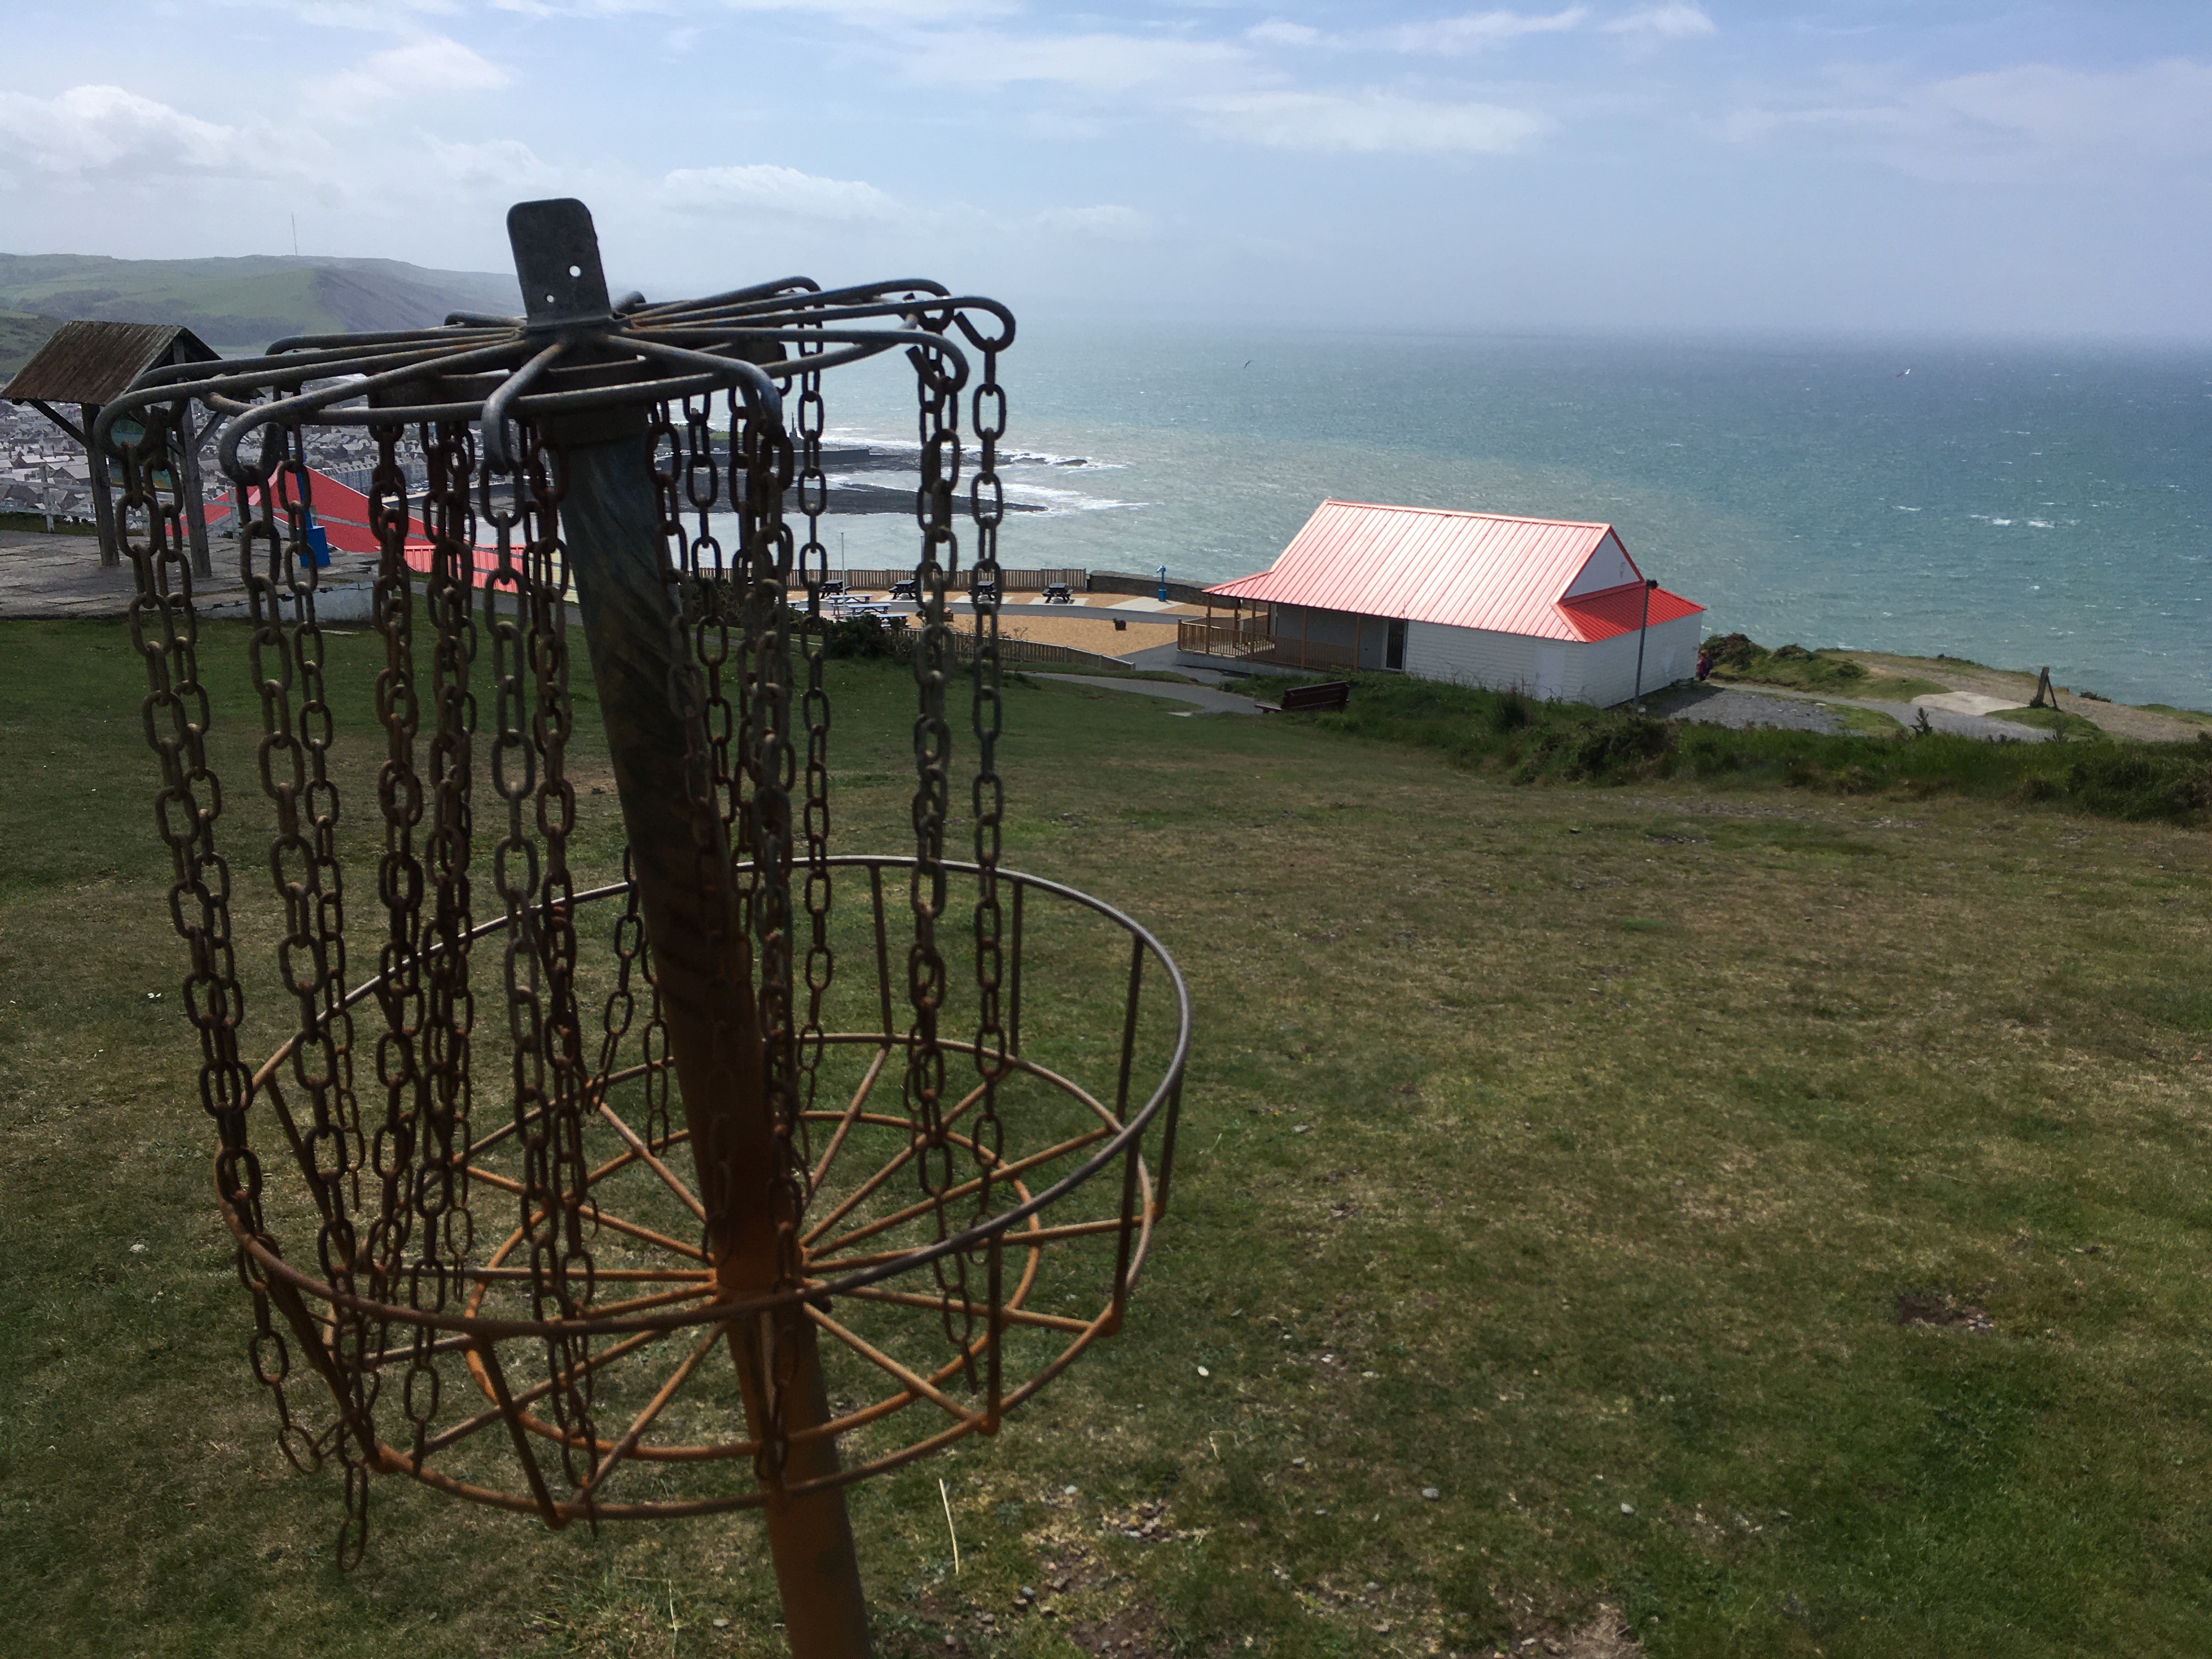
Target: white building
x,y
1554,608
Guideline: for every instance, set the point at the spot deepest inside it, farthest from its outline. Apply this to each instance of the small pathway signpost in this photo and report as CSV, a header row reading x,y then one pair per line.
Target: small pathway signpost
x,y
728,1182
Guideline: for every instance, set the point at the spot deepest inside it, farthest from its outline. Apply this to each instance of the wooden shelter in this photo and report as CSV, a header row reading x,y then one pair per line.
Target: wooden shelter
x,y
1555,608
89,364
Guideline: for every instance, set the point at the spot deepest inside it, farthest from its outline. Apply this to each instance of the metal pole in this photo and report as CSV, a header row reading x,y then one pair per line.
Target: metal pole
x,y
1649,584
190,486
103,499
704,967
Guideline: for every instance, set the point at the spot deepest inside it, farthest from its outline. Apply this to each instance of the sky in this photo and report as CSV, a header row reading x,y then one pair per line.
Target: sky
x,y
1887,165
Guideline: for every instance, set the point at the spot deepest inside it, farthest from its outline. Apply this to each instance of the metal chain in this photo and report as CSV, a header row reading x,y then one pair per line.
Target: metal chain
x,y
447,1225
413,1202
813,561
176,717
987,499
296,736
939,425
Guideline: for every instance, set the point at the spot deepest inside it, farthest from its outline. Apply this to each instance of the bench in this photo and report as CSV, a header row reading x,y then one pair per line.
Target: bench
x,y
1058,593
1312,699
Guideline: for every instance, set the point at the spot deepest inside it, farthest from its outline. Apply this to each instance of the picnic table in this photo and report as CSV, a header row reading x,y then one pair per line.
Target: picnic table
x,y
1058,593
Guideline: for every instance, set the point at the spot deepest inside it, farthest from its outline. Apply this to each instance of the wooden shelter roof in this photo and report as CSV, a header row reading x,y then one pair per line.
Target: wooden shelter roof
x,y
93,363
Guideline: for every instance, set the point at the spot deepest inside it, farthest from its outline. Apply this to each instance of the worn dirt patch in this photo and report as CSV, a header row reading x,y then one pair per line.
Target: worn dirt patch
x,y
1940,1313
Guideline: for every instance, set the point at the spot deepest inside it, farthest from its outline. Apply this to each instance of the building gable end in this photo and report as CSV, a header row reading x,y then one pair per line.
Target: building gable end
x,y
1608,566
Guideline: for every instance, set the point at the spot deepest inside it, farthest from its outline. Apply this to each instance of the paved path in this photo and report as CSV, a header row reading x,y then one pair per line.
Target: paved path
x,y
1211,701
1740,707
50,576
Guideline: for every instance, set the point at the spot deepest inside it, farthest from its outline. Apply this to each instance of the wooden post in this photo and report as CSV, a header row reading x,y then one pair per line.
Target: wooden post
x,y
103,499
1305,616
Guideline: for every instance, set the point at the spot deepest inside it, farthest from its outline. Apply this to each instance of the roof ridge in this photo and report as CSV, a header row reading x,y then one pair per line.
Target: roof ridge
x,y
1468,513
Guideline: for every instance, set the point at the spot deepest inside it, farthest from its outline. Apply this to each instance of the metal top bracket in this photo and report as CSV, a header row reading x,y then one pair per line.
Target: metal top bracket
x,y
557,259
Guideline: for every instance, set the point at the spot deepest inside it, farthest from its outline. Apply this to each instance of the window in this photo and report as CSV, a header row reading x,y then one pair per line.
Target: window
x,y
1394,650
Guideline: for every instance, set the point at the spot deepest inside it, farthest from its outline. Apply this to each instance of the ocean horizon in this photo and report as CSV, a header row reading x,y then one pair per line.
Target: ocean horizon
x,y
2017,502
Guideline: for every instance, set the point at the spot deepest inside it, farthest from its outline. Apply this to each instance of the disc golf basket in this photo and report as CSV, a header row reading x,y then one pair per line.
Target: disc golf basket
x,y
729,1182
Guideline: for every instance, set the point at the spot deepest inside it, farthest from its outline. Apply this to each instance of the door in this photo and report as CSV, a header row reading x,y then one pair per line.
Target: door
x,y
1551,672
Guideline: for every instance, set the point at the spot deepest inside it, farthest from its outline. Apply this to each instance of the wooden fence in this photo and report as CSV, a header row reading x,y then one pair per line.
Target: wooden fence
x,y
862,581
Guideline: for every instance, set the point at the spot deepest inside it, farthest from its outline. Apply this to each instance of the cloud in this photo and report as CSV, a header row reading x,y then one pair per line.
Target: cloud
x,y
497,165
2164,109
784,192
1457,37
1099,63
1370,123
99,132
1276,32
379,15
1675,22
581,8
1108,223
2016,123
433,64
883,11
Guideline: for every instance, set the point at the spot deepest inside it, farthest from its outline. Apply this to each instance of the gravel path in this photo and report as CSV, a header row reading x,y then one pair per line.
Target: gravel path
x,y
1787,711
1721,705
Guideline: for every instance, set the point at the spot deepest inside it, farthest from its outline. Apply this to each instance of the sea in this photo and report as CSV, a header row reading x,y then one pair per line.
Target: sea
x,y
2019,504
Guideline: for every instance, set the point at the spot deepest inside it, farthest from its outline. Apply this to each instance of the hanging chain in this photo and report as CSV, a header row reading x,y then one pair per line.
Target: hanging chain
x,y
416,1202
940,426
176,717
287,654
813,561
987,499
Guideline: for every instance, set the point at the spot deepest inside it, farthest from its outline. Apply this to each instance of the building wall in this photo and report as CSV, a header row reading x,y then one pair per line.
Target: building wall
x,y
1608,565
1604,673
1472,656
1340,628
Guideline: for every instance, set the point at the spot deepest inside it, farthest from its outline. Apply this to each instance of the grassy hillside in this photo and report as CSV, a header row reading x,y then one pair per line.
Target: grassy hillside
x,y
1773,1215
248,302
21,333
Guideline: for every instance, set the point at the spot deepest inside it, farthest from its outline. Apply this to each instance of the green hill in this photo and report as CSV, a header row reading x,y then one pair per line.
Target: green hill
x,y
244,301
21,333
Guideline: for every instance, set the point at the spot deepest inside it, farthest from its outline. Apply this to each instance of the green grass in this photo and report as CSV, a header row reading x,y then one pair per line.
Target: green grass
x,y
1526,741
37,521
2051,720
1635,1105
21,333
1865,722
1736,658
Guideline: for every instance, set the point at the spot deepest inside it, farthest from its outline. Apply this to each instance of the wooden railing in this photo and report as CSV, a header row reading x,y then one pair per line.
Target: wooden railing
x,y
1225,636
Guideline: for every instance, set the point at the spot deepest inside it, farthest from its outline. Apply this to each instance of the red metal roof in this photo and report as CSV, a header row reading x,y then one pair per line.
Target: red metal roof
x,y
1461,569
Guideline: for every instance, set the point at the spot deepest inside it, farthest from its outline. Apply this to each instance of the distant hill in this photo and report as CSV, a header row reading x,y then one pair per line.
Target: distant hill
x,y
21,333
244,301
